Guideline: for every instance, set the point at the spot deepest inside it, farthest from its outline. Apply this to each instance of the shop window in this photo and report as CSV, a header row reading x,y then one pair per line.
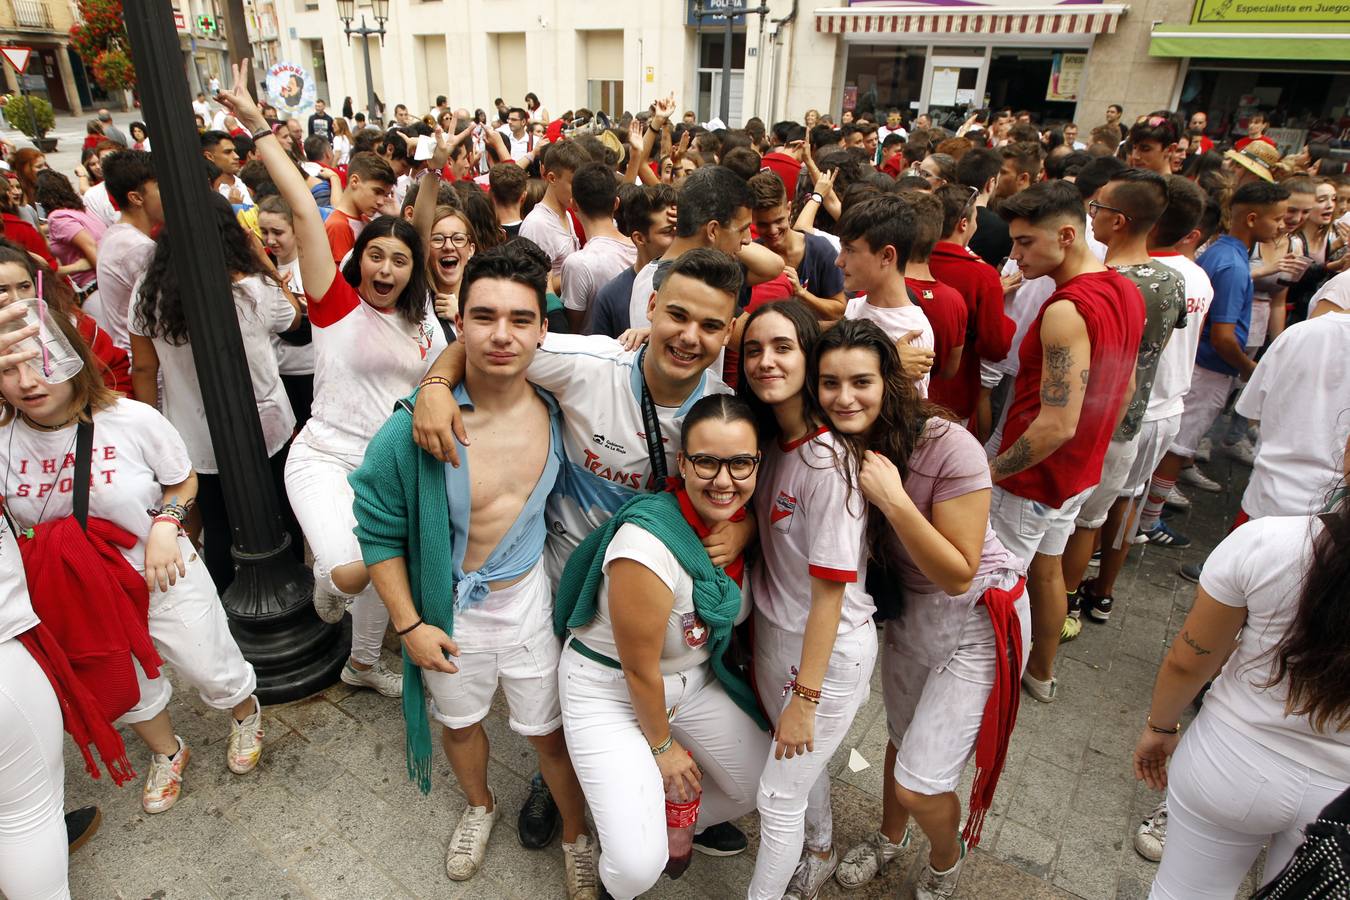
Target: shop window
x,y
880,76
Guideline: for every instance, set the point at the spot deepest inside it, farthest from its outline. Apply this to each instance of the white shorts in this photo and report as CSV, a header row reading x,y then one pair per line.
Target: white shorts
x,y
933,714
527,672
321,498
1203,403
1155,438
1115,470
1027,527
192,634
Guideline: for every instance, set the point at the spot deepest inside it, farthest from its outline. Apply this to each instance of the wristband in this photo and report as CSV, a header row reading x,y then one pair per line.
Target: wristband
x,y
413,627
436,379
806,693
1175,729
664,745
170,519
816,197
262,133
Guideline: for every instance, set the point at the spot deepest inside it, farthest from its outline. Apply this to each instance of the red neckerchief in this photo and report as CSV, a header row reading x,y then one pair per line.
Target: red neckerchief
x,y
736,569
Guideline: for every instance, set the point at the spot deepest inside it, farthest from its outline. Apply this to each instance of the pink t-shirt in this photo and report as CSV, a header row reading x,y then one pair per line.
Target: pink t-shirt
x,y
63,225
948,463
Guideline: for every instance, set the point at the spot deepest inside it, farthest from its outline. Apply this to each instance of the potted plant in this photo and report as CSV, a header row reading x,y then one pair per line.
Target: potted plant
x,y
34,117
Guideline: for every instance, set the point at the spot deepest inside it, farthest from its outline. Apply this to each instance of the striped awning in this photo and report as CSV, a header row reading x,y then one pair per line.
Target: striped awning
x,y
975,20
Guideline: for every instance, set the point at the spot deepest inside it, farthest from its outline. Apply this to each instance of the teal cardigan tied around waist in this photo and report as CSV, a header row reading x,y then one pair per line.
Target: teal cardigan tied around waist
x,y
717,599
396,480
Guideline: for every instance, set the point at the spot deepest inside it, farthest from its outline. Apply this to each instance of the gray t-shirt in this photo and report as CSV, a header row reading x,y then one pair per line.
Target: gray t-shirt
x,y
1164,292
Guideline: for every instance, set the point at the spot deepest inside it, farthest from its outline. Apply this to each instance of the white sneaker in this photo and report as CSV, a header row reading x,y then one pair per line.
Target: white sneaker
x,y
331,607
246,742
866,860
378,678
468,843
1152,834
811,874
1176,499
1195,478
164,781
580,869
934,885
1204,450
1243,451
1043,691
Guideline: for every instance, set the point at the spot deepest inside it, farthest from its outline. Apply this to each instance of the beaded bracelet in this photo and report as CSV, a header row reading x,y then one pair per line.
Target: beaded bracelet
x,y
664,745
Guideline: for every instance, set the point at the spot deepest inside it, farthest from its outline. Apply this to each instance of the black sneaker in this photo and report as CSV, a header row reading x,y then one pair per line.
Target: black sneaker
x,y
80,826
539,820
1075,599
1098,608
721,840
1191,572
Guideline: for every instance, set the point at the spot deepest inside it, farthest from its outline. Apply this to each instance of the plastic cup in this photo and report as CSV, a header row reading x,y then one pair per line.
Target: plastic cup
x,y
56,360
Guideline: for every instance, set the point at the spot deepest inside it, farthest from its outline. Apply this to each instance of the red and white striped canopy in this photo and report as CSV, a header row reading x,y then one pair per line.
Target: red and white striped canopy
x,y
1069,19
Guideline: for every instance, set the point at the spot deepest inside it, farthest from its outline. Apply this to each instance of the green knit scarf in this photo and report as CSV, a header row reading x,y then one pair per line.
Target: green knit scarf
x,y
717,599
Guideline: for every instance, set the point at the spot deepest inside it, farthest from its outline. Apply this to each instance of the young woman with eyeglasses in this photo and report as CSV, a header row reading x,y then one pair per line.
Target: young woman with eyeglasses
x,y
648,704
949,678
815,644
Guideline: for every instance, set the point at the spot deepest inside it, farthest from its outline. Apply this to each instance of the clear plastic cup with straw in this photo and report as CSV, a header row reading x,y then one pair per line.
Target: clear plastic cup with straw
x,y
56,361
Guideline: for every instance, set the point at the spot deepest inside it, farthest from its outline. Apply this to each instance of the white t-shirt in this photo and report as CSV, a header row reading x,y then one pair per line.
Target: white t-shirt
x,y
686,637
1261,566
1177,361
592,267
96,201
598,386
810,524
136,453
203,109
1298,394
554,235
365,361
293,359
124,254
1337,290
16,609
642,295
516,147
262,310
237,185
896,321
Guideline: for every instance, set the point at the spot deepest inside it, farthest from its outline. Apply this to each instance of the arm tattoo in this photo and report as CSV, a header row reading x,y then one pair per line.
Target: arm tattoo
x,y
1055,375
1194,645
1014,459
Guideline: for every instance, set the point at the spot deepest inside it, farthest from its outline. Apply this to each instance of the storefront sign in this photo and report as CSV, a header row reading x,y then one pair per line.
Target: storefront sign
x,y
290,89
1253,12
1289,140
945,82
1066,74
715,12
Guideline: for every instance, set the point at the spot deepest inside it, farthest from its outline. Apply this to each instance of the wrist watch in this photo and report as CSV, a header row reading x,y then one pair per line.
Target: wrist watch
x,y
814,195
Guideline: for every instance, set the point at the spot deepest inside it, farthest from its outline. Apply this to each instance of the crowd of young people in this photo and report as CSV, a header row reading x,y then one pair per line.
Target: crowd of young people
x,y
675,434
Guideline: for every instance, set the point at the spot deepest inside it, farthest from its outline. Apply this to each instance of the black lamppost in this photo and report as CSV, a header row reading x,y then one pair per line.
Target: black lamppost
x,y
347,12
269,605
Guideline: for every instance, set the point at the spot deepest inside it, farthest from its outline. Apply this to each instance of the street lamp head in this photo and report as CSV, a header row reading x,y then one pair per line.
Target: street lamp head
x,y
380,8
346,10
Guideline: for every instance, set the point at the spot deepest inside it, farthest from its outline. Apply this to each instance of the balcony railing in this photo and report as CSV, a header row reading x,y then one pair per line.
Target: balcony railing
x,y
31,14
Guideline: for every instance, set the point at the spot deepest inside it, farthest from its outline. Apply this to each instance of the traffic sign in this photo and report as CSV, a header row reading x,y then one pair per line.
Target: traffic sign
x,y
17,57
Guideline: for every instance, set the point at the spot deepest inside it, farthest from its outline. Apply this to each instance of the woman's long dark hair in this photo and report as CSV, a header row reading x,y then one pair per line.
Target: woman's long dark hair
x,y
808,333
412,302
54,191
159,305
1314,654
479,215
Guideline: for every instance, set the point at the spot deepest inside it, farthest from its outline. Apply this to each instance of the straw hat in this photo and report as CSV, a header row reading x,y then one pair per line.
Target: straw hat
x,y
1258,157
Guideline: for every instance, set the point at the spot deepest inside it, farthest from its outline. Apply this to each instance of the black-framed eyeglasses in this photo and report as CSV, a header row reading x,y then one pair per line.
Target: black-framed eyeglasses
x,y
458,241
1094,207
708,467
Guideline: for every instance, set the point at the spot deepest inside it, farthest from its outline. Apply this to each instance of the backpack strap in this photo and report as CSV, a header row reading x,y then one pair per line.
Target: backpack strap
x,y
84,448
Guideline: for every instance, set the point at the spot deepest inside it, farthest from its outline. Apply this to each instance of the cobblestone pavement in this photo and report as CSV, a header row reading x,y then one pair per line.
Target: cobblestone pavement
x,y
331,814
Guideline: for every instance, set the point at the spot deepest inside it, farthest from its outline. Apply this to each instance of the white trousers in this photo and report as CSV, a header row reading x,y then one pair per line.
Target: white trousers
x,y
321,498
192,634
618,774
794,794
1227,796
32,781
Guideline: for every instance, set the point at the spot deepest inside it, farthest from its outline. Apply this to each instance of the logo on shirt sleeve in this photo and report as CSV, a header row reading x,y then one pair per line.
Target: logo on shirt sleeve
x,y
784,505
695,632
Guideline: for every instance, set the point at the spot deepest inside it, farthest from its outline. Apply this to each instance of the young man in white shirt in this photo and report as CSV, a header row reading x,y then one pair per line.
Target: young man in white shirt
x,y
607,252
126,248
499,626
600,388
516,133
875,237
218,147
549,224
